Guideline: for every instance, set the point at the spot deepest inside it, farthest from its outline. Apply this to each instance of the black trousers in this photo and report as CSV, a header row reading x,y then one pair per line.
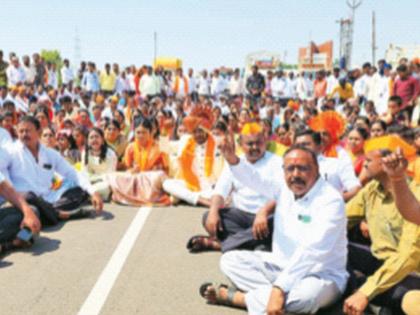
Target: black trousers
x,y
361,259
10,220
237,230
70,200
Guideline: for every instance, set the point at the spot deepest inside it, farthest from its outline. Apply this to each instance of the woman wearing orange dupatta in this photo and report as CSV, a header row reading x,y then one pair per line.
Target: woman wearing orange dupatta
x,y
147,167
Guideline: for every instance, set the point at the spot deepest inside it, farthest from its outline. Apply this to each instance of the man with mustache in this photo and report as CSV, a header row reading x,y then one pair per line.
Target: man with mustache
x,y
246,222
339,174
389,269
306,269
32,168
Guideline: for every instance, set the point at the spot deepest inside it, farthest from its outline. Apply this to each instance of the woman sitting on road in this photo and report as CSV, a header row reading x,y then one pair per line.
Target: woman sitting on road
x,y
97,161
147,166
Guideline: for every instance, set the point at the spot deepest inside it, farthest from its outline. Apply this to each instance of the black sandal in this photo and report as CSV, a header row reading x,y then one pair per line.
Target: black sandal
x,y
219,301
201,243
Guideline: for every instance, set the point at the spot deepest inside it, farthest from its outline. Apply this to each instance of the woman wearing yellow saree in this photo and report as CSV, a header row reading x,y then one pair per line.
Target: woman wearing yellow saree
x,y
147,167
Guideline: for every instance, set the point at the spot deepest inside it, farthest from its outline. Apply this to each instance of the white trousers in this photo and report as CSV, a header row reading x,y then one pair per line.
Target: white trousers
x,y
179,189
251,274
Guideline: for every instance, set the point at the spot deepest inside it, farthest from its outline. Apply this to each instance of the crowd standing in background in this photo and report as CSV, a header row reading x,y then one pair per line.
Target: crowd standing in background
x,y
312,180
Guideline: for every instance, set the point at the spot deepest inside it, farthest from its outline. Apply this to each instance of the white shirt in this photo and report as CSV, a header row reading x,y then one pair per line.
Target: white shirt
x,y
309,233
204,86
236,86
361,85
339,174
198,165
29,74
279,87
332,82
67,75
5,138
192,85
243,197
28,174
122,85
149,85
217,86
15,75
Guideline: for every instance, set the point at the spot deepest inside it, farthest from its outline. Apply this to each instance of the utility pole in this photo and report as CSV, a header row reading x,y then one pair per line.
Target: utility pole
x,y
77,54
374,48
155,47
353,5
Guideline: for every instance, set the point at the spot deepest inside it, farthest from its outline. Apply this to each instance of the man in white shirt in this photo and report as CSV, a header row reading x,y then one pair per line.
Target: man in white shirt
x,y
306,269
217,84
361,85
332,80
15,73
32,169
280,88
29,70
244,223
12,219
67,75
236,85
339,174
192,85
204,84
149,85
199,163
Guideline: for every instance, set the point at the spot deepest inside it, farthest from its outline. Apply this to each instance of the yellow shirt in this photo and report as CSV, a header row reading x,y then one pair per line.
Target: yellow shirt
x,y
345,93
107,81
395,241
276,148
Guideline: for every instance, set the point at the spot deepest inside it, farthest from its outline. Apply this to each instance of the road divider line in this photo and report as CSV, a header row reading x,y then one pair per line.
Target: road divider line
x,y
99,294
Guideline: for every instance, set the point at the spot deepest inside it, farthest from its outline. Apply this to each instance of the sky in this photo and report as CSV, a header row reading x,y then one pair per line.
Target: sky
x,y
203,33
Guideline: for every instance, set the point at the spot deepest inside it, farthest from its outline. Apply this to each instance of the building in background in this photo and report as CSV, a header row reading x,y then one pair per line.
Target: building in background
x,y
316,57
394,53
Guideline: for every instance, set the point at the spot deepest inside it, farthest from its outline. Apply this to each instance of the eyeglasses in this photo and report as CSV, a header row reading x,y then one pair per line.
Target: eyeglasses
x,y
301,168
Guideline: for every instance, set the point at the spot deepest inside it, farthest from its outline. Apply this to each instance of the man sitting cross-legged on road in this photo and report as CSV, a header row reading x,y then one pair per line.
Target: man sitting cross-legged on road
x,y
32,168
247,222
12,219
306,269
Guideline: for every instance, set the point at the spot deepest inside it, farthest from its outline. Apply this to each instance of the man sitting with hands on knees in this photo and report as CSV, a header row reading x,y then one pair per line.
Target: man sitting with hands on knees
x,y
32,168
306,269
12,219
247,222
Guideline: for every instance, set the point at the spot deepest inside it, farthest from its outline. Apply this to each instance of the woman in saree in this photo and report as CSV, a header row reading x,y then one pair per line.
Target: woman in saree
x,y
116,140
147,166
98,160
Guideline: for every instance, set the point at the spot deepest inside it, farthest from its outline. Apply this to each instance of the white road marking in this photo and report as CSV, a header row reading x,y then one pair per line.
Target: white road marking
x,y
97,297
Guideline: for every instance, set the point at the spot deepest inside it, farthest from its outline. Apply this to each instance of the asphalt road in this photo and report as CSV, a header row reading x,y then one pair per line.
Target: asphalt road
x,y
159,276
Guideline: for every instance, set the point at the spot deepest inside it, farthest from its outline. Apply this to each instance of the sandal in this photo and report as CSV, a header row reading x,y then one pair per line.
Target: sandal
x,y
202,243
219,300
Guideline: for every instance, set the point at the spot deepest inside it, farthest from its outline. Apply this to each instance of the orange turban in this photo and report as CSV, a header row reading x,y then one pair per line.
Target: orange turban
x,y
200,117
332,123
251,128
293,105
390,143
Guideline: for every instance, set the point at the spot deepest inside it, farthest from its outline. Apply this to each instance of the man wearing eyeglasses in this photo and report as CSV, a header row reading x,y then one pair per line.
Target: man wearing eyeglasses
x,y
306,269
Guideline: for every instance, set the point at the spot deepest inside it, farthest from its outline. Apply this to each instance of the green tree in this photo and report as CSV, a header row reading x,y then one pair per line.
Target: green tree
x,y
54,57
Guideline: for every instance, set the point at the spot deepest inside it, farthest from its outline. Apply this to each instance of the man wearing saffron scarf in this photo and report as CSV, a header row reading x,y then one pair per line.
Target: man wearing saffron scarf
x,y
198,163
247,222
180,84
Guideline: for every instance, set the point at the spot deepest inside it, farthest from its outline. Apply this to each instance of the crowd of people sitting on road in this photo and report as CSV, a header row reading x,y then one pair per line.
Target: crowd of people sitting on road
x,y
311,180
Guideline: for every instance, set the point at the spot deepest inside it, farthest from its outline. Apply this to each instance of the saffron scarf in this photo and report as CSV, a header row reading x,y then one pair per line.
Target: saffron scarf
x,y
186,161
176,87
149,157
